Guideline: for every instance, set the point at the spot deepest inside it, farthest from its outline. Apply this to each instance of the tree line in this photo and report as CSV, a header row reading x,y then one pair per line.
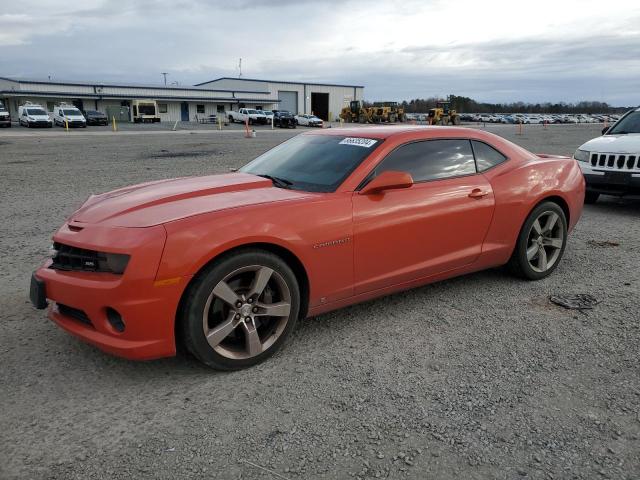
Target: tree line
x,y
469,105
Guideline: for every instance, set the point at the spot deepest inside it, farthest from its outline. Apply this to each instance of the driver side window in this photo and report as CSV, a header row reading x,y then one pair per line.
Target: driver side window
x,y
431,160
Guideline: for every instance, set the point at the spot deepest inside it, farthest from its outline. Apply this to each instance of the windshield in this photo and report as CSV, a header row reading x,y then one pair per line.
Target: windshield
x,y
2,109
253,111
71,111
36,111
148,109
313,163
629,124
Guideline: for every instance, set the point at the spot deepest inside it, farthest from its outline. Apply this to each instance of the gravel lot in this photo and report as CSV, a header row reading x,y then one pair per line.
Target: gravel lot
x,y
476,377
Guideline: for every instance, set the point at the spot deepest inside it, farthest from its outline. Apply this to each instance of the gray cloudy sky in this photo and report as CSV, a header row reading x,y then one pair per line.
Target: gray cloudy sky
x,y
491,50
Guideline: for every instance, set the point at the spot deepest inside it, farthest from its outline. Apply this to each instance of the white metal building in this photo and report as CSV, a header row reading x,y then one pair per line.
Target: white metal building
x,y
324,100
182,103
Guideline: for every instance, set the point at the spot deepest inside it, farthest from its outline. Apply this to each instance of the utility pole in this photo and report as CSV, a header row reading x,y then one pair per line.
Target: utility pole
x,y
164,74
240,68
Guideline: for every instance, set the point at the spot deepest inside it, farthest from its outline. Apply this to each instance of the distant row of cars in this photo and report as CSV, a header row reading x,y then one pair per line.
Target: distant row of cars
x,y
537,118
33,115
279,118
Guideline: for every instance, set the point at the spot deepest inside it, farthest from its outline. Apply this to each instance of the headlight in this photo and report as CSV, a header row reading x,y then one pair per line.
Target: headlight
x,y
113,262
581,155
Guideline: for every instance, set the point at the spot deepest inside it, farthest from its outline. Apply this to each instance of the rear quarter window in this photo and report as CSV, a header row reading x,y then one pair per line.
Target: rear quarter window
x,y
486,156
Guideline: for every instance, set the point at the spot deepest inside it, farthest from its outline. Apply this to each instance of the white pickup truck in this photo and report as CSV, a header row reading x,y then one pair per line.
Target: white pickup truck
x,y
254,116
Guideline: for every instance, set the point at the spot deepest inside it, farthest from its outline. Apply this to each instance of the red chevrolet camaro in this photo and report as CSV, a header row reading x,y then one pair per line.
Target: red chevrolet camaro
x,y
226,264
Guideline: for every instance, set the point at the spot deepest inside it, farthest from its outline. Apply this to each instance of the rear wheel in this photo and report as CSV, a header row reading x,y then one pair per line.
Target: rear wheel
x,y
591,197
541,242
240,310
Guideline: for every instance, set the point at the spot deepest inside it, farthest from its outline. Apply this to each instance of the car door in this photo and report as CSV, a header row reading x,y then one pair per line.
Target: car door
x,y
436,225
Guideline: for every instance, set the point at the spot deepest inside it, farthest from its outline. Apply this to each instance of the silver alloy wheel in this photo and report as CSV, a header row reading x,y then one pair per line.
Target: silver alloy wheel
x,y
545,241
246,312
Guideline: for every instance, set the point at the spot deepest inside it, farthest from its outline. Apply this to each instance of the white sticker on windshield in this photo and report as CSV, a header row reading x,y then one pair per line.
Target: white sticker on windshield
x,y
359,142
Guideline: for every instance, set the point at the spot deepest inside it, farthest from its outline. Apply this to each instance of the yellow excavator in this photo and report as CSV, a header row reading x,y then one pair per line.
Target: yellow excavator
x,y
443,114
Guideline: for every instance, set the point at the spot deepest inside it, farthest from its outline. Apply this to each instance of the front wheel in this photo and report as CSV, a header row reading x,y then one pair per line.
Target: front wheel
x,y
541,242
240,310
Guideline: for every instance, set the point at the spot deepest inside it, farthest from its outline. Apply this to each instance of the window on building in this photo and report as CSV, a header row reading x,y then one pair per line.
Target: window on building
x,y
162,108
200,108
220,108
51,106
486,156
431,160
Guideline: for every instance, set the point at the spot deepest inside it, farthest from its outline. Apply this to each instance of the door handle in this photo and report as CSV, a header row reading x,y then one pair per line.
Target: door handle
x,y
478,193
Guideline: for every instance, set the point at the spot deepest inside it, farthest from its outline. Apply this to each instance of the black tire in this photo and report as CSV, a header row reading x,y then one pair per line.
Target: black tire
x,y
230,119
190,317
518,264
591,197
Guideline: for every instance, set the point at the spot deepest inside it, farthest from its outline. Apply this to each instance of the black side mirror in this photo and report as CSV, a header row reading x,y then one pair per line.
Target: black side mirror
x,y
605,130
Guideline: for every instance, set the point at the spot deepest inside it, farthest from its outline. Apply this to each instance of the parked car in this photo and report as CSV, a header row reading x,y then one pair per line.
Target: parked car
x,y
246,115
307,120
5,118
611,163
33,115
227,264
65,114
268,115
283,119
95,117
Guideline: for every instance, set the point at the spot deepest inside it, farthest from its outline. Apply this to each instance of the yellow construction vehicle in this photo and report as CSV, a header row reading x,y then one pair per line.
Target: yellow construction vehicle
x,y
388,112
443,115
378,113
356,113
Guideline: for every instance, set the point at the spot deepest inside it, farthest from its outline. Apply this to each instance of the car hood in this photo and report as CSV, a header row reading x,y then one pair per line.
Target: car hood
x,y
39,117
155,203
629,143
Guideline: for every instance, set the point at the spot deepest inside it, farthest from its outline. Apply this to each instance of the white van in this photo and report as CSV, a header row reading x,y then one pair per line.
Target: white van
x,y
68,114
5,119
33,115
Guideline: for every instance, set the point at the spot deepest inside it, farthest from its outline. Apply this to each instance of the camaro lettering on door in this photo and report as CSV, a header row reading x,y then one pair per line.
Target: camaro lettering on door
x,y
333,243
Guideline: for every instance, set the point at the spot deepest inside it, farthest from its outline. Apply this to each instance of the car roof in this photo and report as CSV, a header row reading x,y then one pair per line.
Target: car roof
x,y
392,130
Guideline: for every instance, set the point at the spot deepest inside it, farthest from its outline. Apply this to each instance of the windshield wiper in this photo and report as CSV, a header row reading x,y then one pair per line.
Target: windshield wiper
x,y
277,181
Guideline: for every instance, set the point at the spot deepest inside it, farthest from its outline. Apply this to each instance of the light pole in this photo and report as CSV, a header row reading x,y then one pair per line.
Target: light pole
x,y
164,74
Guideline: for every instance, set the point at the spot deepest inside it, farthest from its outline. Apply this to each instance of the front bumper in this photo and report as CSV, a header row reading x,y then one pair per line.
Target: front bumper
x,y
80,302
612,182
40,123
286,122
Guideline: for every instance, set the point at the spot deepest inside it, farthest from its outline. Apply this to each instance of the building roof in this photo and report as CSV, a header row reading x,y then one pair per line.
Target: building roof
x,y
194,88
281,81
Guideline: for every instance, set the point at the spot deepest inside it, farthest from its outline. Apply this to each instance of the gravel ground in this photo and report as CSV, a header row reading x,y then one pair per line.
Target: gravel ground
x,y
475,377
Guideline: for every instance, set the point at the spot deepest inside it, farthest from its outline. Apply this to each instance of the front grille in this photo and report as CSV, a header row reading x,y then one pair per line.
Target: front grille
x,y
74,313
70,258
615,161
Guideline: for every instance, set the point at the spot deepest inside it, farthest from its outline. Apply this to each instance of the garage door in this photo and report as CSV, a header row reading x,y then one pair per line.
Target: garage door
x,y
288,101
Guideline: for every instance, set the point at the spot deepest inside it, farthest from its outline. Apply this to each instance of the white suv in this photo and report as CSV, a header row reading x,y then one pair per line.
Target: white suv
x,y
611,163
